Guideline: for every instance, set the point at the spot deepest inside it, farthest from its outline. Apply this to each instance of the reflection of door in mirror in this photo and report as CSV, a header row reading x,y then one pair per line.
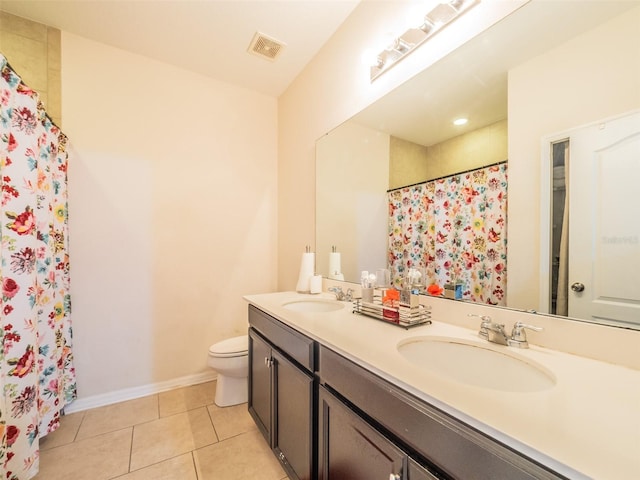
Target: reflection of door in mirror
x,y
604,240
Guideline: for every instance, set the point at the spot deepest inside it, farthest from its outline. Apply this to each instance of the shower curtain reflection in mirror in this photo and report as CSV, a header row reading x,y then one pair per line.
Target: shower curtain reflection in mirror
x,y
456,228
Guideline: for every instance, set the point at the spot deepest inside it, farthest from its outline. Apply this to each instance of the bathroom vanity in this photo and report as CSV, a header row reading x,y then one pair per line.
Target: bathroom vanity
x,y
336,398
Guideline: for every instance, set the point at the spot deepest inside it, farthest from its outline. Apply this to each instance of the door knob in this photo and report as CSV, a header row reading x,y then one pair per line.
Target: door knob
x,y
577,287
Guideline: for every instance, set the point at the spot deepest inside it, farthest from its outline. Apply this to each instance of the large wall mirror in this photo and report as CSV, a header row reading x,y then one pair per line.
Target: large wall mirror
x,y
353,172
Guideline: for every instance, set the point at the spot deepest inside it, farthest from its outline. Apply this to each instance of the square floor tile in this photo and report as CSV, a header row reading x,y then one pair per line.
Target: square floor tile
x,y
243,457
177,468
171,436
231,421
187,398
118,416
97,458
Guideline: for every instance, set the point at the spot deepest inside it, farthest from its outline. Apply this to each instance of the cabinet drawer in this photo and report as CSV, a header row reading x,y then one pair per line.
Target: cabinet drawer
x,y
299,348
450,445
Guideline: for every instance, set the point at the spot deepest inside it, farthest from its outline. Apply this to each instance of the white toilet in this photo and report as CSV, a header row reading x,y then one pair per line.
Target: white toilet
x,y
230,358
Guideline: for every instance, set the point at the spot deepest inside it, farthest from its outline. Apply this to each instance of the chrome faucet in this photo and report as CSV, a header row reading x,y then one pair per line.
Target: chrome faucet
x,y
495,333
340,295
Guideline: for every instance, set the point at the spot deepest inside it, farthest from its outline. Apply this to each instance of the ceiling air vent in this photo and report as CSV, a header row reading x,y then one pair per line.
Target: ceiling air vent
x,y
265,47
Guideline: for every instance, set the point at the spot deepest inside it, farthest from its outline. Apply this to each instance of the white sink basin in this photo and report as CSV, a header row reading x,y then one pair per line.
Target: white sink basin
x,y
472,364
314,306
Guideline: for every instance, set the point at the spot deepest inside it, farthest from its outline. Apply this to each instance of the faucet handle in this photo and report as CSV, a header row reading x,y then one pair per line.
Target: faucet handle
x,y
519,336
337,291
340,295
519,327
486,323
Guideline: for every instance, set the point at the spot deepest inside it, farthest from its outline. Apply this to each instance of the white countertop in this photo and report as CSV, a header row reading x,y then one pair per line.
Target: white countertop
x,y
588,423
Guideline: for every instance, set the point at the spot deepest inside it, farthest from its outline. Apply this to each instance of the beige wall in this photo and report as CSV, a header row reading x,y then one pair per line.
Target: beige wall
x,y
410,163
594,76
172,201
33,50
481,147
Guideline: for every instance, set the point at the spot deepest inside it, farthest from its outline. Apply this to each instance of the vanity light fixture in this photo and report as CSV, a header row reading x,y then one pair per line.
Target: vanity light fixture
x,y
441,15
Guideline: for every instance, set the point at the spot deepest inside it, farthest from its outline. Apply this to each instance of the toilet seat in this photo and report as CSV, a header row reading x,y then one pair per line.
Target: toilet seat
x,y
231,347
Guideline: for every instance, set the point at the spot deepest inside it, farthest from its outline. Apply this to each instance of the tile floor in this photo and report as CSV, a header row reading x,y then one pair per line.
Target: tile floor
x,y
175,435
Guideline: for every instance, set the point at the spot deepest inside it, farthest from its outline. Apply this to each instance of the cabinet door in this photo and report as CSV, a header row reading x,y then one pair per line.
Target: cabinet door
x,y
260,405
293,420
350,449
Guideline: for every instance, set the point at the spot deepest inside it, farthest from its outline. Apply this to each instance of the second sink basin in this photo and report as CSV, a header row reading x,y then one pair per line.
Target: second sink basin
x,y
313,306
472,364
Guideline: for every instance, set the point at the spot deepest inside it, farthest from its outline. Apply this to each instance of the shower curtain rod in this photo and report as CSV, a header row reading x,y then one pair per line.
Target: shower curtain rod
x,y
447,176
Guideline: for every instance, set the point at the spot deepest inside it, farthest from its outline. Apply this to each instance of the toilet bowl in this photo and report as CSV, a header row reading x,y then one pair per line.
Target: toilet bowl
x,y
230,358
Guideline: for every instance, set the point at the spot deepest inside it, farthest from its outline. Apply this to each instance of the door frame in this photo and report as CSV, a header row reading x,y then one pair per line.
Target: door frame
x,y
546,220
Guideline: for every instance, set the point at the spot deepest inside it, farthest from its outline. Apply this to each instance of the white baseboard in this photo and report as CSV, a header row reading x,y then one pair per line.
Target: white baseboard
x,y
117,396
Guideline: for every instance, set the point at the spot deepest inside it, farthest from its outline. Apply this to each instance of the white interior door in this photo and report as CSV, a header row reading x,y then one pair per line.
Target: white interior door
x,y
604,221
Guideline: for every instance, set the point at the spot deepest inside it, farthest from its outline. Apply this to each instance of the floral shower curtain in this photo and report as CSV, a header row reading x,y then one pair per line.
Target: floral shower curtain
x,y
37,378
455,228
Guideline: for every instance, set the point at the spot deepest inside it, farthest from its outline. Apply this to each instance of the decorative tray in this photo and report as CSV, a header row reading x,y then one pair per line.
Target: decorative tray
x,y
407,315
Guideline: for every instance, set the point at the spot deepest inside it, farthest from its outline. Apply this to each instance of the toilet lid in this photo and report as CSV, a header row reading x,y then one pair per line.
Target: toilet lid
x,y
231,347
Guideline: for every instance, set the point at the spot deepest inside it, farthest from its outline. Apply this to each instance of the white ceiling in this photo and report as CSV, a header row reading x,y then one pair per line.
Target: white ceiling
x,y
209,37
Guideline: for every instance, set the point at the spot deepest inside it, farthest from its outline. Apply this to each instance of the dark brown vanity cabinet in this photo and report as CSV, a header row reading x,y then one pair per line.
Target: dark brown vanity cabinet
x,y
451,448
351,449
326,417
281,392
